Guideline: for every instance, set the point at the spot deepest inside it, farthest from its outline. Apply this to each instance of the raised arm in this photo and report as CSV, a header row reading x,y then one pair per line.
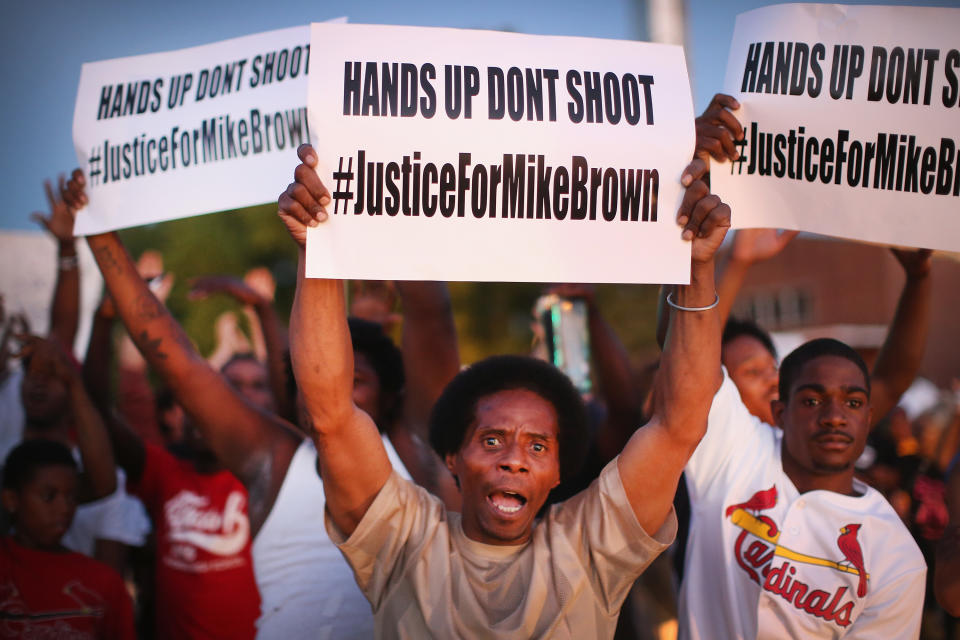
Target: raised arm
x,y
651,463
96,364
431,358
717,133
255,446
273,335
322,355
902,351
750,246
99,476
614,375
65,306
128,447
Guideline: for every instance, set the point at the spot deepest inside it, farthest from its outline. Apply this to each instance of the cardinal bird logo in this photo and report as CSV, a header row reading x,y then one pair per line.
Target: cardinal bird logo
x,y
851,551
761,500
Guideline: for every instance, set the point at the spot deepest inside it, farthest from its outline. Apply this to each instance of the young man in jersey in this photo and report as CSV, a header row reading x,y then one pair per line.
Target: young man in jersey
x,y
784,541
748,353
494,571
46,590
306,588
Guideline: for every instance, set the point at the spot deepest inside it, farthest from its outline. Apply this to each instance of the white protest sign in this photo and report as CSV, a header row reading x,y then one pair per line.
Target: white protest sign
x,y
852,123
175,134
488,156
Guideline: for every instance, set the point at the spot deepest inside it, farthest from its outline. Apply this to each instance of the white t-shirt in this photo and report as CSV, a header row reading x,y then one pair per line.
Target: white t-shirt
x,y
306,587
425,578
119,517
764,561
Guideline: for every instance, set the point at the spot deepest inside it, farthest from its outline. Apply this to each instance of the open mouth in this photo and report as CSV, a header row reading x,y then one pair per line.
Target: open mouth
x,y
506,502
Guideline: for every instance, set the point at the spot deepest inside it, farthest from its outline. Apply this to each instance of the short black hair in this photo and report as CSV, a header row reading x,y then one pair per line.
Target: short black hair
x,y
369,339
455,410
790,368
736,328
28,456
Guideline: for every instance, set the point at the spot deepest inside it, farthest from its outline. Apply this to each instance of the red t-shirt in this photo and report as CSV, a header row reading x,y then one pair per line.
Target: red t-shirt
x,y
45,594
205,582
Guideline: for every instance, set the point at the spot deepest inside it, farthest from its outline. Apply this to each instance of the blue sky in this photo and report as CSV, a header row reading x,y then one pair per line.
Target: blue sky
x,y
43,44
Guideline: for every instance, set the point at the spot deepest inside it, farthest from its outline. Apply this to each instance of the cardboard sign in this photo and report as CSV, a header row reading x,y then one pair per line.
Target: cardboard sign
x,y
852,123
488,156
175,134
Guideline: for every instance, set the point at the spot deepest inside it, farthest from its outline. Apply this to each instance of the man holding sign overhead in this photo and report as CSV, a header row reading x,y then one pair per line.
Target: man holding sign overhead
x,y
784,540
509,430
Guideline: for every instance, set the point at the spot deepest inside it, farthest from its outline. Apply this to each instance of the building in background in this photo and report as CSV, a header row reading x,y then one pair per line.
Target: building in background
x,y
822,287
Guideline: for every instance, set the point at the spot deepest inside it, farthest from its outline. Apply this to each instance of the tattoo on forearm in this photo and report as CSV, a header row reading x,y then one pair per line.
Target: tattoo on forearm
x,y
107,260
148,307
183,340
151,346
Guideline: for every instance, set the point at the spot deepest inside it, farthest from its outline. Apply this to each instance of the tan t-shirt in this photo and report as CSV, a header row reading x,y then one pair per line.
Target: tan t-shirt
x,y
424,578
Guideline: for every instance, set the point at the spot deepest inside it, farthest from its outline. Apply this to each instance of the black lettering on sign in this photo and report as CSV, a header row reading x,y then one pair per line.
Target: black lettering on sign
x,y
609,97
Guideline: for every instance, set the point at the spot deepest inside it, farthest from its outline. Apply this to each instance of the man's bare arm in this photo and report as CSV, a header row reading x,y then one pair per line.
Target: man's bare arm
x,y
128,447
689,376
431,357
273,335
65,306
99,476
322,355
616,382
902,351
254,445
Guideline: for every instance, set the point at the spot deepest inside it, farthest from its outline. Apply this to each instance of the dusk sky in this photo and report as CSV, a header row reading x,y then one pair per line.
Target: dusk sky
x,y
44,43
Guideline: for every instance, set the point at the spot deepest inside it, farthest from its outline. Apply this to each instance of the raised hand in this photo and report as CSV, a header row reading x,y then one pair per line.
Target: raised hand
x,y
150,268
47,355
717,129
73,193
261,280
303,203
704,217
205,286
574,291
59,221
756,245
915,262
375,300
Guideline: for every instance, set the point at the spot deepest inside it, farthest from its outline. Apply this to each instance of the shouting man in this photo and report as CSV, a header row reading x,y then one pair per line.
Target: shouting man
x,y
507,429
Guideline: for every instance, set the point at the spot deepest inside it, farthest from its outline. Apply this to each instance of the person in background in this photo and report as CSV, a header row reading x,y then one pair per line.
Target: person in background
x,y
246,370
105,524
203,580
46,590
304,583
749,359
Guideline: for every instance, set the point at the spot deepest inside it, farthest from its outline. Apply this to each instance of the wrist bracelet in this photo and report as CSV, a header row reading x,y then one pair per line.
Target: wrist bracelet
x,y
67,263
676,306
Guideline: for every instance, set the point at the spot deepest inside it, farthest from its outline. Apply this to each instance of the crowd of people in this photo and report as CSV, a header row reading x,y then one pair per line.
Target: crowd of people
x,y
321,481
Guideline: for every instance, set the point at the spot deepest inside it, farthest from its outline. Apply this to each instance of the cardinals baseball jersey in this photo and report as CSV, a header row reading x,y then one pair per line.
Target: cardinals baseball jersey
x,y
765,561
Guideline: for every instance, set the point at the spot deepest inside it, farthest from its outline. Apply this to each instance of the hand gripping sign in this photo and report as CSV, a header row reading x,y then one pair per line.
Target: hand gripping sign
x,y
486,156
180,133
852,123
